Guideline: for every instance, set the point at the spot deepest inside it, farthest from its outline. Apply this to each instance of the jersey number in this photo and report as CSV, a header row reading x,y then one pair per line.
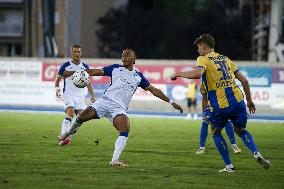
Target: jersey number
x,y
223,67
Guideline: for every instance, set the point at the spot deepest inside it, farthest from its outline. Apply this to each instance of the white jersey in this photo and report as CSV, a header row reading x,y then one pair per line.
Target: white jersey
x,y
123,84
69,88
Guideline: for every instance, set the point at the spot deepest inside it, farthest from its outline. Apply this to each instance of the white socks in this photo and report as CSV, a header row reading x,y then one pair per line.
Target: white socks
x,y
119,147
66,124
230,166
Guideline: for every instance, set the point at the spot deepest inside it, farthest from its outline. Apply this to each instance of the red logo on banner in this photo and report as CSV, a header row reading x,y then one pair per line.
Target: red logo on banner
x,y
49,71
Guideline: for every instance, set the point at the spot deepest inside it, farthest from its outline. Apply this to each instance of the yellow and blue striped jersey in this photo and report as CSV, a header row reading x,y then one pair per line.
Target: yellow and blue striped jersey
x,y
219,80
191,90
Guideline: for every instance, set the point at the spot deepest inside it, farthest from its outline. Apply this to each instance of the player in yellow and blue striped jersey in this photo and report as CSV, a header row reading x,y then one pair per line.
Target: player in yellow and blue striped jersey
x,y
219,76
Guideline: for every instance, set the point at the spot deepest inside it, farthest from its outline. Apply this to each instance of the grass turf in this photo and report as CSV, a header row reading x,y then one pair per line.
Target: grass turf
x,y
160,153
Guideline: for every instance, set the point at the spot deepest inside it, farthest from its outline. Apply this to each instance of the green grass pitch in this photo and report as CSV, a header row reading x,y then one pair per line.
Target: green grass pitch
x,y
160,153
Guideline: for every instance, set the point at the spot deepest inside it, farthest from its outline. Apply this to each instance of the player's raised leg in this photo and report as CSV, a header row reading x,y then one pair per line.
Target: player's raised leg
x,y
121,123
249,142
88,114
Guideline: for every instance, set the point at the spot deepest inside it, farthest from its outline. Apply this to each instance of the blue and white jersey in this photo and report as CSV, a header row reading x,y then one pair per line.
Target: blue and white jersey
x,y
69,88
123,84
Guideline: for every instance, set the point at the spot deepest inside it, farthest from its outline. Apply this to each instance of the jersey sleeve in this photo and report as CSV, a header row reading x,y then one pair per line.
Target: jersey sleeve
x,y
201,62
234,68
62,68
108,70
144,83
86,66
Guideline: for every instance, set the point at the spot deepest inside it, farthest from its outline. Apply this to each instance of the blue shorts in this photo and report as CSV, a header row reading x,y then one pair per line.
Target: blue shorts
x,y
236,113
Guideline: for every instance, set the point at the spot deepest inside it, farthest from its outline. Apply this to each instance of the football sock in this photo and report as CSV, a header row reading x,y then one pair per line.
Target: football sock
x,y
248,141
230,166
230,132
74,127
222,148
203,133
119,145
66,124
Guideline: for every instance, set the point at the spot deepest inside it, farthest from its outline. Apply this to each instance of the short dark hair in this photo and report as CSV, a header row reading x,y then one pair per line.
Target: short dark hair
x,y
131,50
76,46
206,39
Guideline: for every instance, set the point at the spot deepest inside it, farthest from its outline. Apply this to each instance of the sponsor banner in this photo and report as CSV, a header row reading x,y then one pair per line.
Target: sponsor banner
x,y
27,93
20,70
49,71
158,74
257,76
277,96
261,95
278,75
32,83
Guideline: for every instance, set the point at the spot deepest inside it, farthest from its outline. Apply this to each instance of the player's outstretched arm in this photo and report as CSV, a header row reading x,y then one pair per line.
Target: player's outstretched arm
x,y
195,74
246,88
67,73
91,72
158,93
95,72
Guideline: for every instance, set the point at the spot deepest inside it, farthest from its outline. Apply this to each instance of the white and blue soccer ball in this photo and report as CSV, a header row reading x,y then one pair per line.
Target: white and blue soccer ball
x,y
81,79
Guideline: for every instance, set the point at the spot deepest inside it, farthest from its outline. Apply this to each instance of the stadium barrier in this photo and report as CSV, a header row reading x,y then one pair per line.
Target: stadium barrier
x,y
30,82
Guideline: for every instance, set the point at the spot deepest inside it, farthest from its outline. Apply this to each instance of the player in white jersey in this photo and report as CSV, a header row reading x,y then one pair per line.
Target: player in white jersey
x,y
115,101
72,97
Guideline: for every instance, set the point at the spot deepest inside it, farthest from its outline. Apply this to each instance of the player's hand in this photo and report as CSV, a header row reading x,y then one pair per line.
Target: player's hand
x,y
93,99
58,92
251,107
178,107
173,77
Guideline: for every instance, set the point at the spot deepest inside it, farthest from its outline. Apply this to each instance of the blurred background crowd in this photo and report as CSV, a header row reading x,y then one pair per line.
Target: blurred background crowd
x,y
156,29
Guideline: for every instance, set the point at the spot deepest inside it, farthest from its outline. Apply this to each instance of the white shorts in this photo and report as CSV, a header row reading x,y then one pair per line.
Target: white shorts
x,y
107,108
78,103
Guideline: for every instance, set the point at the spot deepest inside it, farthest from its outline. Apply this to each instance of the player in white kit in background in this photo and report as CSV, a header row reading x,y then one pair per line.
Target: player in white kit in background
x,y
72,96
115,101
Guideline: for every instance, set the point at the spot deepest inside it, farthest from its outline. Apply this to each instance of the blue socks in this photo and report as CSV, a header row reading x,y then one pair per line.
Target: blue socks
x,y
123,134
203,133
248,141
222,148
230,132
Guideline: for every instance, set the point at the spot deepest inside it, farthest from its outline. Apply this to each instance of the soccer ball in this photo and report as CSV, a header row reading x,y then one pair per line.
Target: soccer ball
x,y
80,79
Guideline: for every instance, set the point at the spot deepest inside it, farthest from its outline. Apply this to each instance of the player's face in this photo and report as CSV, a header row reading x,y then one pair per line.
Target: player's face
x,y
201,49
128,58
76,54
